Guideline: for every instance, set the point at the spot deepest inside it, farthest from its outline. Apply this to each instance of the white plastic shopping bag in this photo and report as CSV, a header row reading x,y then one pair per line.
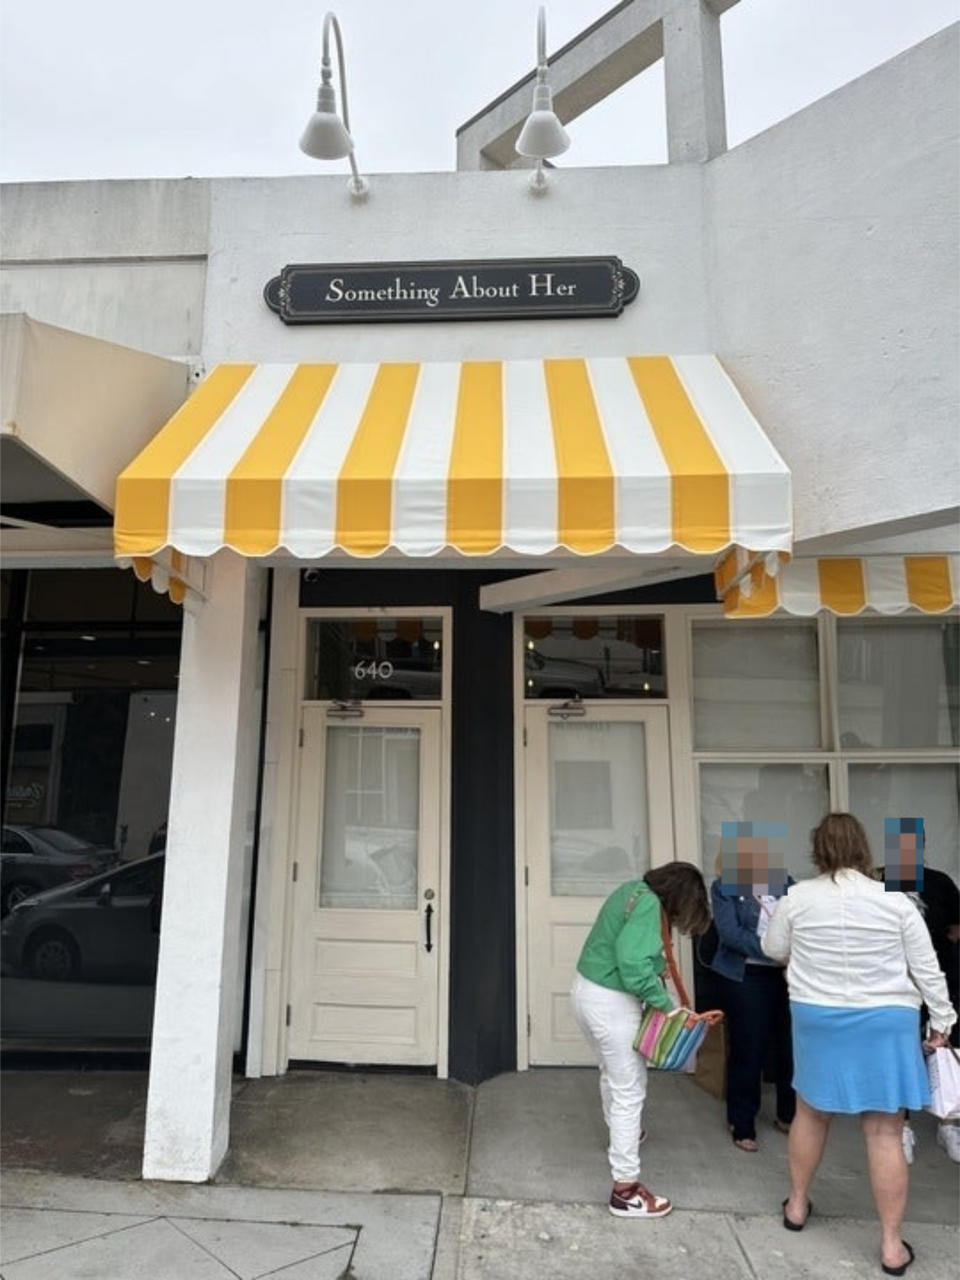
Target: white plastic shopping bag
x,y
943,1070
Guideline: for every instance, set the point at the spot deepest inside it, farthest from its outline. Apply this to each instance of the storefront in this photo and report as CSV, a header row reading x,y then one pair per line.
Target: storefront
x,y
481,619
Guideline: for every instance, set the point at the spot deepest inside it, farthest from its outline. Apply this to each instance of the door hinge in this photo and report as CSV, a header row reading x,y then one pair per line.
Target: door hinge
x,y
529,1024
288,1016
526,875
296,867
524,735
301,735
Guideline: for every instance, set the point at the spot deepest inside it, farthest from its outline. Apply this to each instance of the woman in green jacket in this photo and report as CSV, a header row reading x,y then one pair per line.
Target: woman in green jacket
x,y
619,971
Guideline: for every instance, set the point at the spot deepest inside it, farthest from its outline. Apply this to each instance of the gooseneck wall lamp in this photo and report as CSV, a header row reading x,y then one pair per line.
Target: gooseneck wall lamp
x,y
326,136
542,136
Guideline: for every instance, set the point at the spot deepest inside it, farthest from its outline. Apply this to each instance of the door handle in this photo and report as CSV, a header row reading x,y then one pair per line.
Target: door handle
x,y
428,916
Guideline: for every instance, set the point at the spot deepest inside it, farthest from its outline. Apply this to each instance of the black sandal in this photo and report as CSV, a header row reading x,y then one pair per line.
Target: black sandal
x,y
901,1270
798,1226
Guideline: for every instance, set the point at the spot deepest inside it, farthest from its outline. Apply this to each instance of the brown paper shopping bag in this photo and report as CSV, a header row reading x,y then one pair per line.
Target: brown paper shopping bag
x,y
710,1072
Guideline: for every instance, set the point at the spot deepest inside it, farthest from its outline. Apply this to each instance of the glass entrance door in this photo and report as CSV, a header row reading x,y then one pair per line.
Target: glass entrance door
x,y
598,814
367,955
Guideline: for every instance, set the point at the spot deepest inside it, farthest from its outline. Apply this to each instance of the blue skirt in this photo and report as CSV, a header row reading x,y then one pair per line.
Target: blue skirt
x,y
852,1060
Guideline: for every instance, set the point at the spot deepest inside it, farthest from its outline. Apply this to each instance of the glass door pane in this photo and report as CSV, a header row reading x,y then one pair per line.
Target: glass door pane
x,y
599,834
371,818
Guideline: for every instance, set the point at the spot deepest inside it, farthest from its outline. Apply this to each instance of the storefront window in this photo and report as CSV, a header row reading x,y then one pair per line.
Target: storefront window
x,y
792,793
607,656
755,686
374,658
927,791
85,808
899,683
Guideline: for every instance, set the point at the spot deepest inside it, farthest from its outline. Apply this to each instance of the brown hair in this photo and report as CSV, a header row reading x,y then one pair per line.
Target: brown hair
x,y
683,896
840,844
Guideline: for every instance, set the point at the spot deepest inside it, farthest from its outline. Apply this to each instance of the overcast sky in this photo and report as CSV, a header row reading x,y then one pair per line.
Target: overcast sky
x,y
113,88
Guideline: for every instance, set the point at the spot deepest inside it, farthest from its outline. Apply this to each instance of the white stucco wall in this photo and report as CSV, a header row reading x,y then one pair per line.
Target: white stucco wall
x,y
833,263
125,261
650,217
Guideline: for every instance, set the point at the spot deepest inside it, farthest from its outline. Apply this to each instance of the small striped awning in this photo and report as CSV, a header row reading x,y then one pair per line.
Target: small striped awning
x,y
640,453
844,585
172,574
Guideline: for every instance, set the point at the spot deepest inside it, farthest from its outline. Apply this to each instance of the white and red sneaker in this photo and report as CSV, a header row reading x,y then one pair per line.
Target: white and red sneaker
x,y
639,1202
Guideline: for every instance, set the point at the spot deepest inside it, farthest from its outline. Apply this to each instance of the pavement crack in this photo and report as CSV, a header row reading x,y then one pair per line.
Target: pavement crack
x,y
348,1244
73,1244
739,1243
199,1244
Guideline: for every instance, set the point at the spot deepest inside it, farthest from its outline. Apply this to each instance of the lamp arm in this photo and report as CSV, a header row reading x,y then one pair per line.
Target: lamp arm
x,y
330,21
541,42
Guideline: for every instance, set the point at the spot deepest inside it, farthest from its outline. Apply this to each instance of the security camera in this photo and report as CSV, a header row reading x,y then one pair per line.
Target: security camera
x,y
311,575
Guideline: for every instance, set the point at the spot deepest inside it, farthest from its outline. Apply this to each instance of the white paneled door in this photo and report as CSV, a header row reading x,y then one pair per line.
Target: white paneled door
x,y
366,964
598,812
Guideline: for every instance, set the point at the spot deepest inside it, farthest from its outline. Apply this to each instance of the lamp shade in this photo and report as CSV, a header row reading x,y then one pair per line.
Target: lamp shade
x,y
326,137
542,135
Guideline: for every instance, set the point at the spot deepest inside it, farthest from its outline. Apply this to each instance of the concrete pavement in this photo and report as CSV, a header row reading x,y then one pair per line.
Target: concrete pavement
x,y
381,1177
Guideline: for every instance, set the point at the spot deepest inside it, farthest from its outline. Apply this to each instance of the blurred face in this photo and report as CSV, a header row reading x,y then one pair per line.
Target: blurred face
x,y
749,864
903,854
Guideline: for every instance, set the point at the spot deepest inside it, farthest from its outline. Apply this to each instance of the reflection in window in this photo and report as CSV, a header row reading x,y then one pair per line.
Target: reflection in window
x,y
928,791
371,818
607,656
382,659
792,793
899,683
86,800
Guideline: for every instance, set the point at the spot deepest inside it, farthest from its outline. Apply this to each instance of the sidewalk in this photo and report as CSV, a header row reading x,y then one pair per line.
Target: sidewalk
x,y
378,1177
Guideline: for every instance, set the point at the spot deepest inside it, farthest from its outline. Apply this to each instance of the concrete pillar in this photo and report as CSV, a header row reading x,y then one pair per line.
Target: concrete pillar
x,y
188,1101
693,80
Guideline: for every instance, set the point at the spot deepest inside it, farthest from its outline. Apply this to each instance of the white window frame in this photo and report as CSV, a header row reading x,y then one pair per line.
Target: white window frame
x,y
830,754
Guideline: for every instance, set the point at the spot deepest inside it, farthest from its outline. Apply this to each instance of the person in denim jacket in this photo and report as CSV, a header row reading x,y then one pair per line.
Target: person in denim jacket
x,y
754,998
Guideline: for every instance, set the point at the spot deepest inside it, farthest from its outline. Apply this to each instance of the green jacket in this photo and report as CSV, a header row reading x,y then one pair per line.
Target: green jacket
x,y
625,953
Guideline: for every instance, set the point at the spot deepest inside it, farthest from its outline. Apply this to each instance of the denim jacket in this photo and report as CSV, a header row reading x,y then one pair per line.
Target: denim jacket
x,y
736,921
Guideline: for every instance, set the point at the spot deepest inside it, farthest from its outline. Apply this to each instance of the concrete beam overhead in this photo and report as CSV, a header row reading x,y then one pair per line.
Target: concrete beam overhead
x,y
601,59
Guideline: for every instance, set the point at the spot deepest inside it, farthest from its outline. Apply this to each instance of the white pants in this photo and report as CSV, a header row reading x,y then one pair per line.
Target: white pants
x,y
609,1021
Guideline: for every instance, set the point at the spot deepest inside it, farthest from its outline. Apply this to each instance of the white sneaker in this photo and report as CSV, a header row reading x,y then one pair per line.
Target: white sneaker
x,y
909,1140
948,1137
639,1203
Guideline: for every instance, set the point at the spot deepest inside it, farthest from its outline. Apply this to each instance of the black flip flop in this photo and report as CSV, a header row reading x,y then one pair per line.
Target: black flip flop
x,y
902,1269
798,1226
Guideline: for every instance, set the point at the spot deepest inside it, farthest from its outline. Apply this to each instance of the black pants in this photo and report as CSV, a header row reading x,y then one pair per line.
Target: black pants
x,y
758,1032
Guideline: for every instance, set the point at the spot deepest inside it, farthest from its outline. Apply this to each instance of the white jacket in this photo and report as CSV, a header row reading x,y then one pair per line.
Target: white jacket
x,y
849,942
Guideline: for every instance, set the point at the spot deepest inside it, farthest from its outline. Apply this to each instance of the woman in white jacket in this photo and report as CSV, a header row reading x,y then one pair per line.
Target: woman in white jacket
x,y
859,965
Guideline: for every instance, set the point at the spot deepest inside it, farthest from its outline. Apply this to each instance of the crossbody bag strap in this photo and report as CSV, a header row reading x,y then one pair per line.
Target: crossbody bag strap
x,y
671,962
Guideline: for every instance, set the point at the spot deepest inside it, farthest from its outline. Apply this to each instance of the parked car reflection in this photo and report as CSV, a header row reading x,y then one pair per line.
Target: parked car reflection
x,y
36,858
105,929
373,867
591,868
560,677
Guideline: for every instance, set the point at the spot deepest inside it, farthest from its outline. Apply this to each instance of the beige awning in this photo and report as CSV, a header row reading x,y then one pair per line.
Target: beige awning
x,y
74,410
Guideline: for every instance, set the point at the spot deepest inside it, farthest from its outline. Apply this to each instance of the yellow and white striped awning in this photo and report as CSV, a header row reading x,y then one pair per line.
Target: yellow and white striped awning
x,y
641,453
844,585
